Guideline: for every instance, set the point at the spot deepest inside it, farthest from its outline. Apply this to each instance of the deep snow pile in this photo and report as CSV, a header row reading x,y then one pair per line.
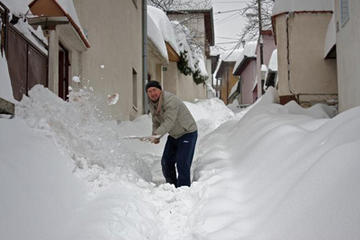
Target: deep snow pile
x,y
284,173
277,172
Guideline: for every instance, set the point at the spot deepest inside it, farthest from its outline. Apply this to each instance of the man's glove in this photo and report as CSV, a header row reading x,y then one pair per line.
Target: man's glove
x,y
153,139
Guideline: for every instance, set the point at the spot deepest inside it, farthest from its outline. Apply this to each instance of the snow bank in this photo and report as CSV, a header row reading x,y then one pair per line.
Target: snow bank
x,y
275,172
282,6
39,193
117,177
209,114
281,172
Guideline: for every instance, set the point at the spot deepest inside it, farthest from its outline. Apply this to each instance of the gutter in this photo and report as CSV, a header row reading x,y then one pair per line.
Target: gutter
x,y
144,55
290,14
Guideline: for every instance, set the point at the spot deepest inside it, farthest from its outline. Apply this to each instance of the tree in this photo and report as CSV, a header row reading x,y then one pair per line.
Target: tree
x,y
251,29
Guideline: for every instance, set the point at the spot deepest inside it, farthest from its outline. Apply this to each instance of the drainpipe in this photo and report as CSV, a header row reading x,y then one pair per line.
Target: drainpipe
x,y
290,14
261,49
144,55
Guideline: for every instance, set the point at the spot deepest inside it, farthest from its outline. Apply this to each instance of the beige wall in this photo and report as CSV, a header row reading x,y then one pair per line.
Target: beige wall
x,y
348,57
310,73
114,32
183,86
155,62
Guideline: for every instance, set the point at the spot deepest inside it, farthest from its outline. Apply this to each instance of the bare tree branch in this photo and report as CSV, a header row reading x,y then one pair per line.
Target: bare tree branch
x,y
250,11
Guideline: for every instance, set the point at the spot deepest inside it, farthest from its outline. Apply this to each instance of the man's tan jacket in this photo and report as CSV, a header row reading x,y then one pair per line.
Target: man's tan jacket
x,y
170,115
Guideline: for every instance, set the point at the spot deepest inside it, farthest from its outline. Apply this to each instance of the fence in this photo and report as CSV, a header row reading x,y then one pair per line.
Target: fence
x,y
27,64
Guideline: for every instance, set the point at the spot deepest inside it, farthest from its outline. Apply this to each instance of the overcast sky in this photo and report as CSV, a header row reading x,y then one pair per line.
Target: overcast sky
x,y
228,22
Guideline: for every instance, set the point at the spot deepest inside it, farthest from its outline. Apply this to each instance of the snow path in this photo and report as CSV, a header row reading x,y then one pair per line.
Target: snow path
x,y
126,194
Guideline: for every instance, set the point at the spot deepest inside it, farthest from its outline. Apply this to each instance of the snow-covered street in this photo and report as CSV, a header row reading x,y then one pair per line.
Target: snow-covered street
x,y
273,172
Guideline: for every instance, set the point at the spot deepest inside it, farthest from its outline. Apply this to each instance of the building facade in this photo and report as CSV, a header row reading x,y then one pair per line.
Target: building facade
x,y
113,64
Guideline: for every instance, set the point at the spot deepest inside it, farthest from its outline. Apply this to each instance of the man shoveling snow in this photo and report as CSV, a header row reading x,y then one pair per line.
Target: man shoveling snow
x,y
170,115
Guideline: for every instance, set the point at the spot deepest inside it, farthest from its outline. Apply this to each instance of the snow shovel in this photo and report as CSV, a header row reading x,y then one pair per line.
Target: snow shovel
x,y
141,138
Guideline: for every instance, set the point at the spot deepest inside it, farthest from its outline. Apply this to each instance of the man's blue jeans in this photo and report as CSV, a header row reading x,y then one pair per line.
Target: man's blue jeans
x,y
180,152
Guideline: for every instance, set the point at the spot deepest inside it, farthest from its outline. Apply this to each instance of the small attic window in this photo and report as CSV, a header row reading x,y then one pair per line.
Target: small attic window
x,y
344,12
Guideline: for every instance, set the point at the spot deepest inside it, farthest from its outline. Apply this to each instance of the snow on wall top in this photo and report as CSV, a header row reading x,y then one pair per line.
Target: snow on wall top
x,y
273,63
249,51
163,23
282,6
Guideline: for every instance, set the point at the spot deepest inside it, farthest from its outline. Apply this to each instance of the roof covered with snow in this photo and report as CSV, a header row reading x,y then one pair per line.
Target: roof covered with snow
x,y
249,52
190,5
232,55
282,6
156,37
68,9
162,22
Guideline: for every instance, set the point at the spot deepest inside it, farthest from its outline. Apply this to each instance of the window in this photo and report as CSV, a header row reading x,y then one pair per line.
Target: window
x,y
344,12
134,85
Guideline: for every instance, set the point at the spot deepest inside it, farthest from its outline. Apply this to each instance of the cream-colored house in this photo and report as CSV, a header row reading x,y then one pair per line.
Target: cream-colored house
x,y
66,38
113,64
165,42
304,73
200,22
348,52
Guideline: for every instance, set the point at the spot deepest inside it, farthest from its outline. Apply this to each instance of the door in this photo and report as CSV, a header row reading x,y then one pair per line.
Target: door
x,y
63,72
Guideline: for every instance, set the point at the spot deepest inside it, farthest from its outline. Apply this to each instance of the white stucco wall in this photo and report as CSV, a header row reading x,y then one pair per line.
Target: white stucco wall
x,y
348,57
115,35
183,86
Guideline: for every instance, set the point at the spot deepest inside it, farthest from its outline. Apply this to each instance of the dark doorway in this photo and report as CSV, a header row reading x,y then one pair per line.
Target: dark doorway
x,y
63,72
